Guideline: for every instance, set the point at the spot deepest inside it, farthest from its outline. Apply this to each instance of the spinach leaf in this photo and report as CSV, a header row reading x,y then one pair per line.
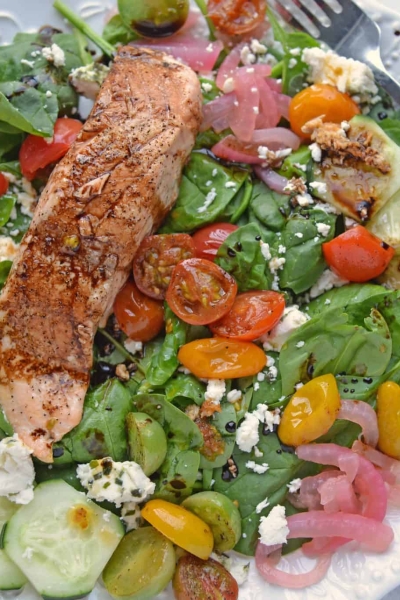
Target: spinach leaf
x,y
7,203
178,473
389,306
392,128
271,208
165,362
269,390
12,167
347,297
241,256
185,387
333,343
4,424
304,259
31,112
250,488
219,421
9,142
5,267
295,165
209,89
116,32
102,429
239,204
207,188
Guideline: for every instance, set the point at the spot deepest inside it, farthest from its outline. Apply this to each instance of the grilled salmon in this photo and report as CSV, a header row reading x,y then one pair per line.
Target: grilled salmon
x,y
114,187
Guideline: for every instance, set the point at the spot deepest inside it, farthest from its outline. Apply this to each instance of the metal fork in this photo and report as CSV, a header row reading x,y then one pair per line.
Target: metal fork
x,y
347,30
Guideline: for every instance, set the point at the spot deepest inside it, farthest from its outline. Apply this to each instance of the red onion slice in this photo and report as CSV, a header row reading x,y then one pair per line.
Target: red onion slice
x,y
364,415
279,136
378,458
273,180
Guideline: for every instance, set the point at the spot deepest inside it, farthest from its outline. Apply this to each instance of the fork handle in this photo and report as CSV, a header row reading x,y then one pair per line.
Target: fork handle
x,y
387,82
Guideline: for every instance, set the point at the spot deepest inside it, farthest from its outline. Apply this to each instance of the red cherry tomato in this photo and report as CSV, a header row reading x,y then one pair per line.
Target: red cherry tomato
x,y
200,292
139,316
36,153
235,17
3,184
155,260
196,579
357,255
208,239
252,315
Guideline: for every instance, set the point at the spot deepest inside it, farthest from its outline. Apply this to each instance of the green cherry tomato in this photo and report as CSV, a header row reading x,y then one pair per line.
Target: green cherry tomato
x,y
147,442
154,18
222,516
142,565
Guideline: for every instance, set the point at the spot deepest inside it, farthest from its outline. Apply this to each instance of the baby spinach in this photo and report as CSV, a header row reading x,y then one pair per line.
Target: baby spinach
x,y
31,112
334,343
185,387
178,473
392,128
7,203
165,362
116,32
241,256
271,208
348,297
5,267
295,164
206,190
102,429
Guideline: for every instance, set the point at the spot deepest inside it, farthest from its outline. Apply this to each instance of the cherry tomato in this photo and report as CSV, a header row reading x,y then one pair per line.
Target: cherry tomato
x,y
179,525
311,411
3,184
219,358
235,17
388,413
208,239
139,316
357,255
252,315
320,100
37,152
200,292
155,260
195,579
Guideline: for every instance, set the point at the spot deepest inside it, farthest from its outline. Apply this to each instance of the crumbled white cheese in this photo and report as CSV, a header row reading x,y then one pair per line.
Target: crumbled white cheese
x,y
272,373
28,63
133,346
326,282
260,507
348,75
17,472
256,386
294,485
8,248
292,63
319,187
263,152
247,435
230,185
229,85
323,229
304,199
291,320
258,48
206,87
273,529
259,469
246,56
215,390
281,249
298,386
131,516
316,152
258,453
348,223
300,344
260,376
234,396
265,251
295,51
54,54
345,125
208,201
299,235
126,481
267,417
276,263
327,301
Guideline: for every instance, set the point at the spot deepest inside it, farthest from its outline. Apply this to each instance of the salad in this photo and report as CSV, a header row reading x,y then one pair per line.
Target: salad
x,y
245,389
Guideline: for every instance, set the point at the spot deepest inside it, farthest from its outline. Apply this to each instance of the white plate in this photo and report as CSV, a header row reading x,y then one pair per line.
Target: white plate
x,y
353,575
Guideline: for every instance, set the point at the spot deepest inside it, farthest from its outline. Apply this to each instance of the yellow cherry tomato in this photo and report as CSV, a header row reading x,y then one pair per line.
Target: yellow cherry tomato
x,y
180,526
219,358
388,413
311,411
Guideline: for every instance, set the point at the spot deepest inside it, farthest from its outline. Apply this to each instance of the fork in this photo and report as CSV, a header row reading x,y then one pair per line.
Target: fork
x,y
345,28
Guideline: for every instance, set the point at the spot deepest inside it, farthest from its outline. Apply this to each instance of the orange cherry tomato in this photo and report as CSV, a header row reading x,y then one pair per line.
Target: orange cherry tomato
x,y
320,100
155,260
208,239
252,315
139,316
219,358
37,152
235,17
3,184
200,292
357,255
195,579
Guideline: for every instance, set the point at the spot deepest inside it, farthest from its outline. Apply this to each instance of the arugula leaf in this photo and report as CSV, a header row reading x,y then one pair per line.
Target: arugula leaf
x,y
203,194
116,32
102,429
334,343
185,387
5,267
164,364
241,256
7,203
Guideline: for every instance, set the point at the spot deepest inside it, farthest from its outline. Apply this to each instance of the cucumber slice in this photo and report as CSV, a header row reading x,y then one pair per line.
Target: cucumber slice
x,y
61,540
11,577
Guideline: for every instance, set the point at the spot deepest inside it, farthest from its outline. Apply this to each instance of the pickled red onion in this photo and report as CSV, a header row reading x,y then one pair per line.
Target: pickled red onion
x,y
276,138
337,494
308,495
273,180
364,415
378,458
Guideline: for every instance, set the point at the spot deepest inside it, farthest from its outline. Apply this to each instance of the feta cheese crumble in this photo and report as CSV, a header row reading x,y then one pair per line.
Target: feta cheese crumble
x,y
265,251
326,282
260,507
117,482
133,346
17,473
316,152
291,320
273,529
319,187
323,229
208,201
247,435
54,54
206,87
234,396
215,390
294,485
259,469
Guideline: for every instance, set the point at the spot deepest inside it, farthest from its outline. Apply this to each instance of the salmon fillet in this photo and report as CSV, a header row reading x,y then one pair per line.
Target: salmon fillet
x,y
113,188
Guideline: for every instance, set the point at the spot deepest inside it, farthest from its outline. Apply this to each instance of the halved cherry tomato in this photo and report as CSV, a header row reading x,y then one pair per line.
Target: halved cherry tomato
x,y
139,316
181,526
320,100
208,239
36,152
155,260
252,315
200,292
235,17
3,184
388,413
195,579
357,255
219,358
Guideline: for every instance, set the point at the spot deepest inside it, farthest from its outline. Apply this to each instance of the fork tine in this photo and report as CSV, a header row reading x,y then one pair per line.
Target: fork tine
x,y
316,12
334,5
302,20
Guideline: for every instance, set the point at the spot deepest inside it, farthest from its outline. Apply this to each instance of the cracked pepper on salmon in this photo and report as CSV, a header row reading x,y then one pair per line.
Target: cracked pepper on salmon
x,y
113,188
